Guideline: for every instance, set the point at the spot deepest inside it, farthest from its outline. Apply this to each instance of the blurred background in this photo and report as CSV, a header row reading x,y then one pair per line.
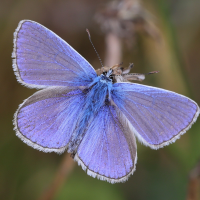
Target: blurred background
x,y
155,35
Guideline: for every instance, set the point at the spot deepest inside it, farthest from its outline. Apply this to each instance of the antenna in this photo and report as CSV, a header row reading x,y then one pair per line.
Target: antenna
x,y
153,72
93,46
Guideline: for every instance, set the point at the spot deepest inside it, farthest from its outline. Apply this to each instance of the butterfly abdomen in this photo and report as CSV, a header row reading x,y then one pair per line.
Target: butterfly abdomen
x,y
96,97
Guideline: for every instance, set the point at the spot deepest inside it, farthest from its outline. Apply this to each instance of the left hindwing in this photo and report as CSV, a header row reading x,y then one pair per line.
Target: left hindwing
x,y
47,119
157,116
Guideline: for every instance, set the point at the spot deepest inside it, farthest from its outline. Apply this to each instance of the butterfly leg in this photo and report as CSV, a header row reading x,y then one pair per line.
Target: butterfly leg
x,y
127,70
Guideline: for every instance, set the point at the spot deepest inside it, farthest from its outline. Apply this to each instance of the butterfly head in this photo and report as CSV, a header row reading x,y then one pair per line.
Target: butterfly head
x,y
114,73
106,76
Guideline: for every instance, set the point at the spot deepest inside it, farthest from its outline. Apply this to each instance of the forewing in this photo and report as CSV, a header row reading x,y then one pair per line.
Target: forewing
x,y
46,120
41,59
158,117
108,150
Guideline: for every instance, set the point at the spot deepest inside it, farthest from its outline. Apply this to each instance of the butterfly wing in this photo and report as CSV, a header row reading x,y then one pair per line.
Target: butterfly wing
x,y
157,116
108,149
46,120
41,59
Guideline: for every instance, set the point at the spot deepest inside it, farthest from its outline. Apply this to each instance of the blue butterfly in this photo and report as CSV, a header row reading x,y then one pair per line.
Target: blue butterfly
x,y
94,115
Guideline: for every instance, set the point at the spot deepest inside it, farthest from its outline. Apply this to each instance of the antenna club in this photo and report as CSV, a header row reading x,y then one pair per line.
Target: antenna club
x,y
88,32
153,72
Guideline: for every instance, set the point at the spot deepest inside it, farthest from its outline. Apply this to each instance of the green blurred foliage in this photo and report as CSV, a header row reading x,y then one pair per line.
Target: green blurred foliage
x,y
161,174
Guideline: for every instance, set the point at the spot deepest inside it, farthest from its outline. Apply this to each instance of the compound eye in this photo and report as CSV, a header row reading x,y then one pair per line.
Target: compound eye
x,y
111,77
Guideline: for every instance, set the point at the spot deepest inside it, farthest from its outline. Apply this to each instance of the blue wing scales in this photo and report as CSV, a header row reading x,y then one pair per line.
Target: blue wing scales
x,y
47,119
108,149
41,59
158,117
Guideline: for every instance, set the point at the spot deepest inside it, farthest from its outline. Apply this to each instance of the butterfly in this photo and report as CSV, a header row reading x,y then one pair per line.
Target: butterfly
x,y
94,115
